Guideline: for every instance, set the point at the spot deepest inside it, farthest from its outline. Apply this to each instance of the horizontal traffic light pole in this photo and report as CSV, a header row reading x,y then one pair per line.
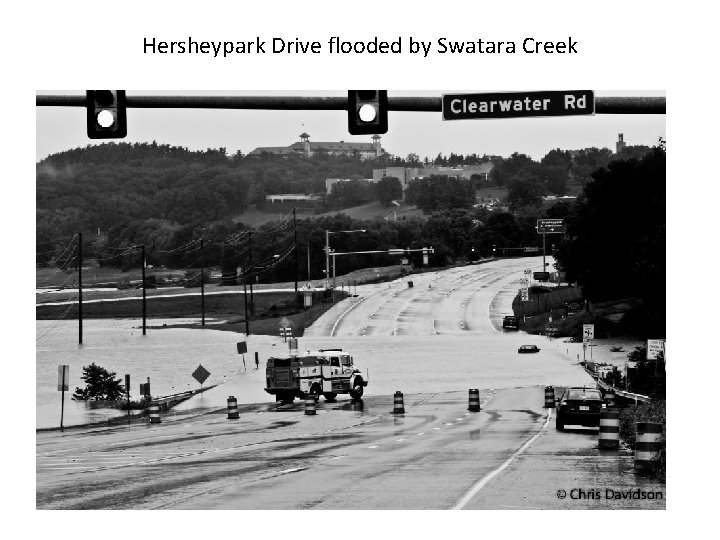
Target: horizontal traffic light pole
x,y
603,105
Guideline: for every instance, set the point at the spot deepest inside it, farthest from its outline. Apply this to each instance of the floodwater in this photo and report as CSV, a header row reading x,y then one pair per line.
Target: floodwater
x,y
389,335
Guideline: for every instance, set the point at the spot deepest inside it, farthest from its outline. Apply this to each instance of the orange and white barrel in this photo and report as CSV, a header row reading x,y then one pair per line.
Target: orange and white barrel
x,y
609,436
648,437
232,408
154,410
398,405
549,397
474,400
610,397
310,405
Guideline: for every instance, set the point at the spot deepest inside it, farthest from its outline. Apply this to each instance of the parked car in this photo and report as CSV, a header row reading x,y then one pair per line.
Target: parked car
x,y
528,349
579,406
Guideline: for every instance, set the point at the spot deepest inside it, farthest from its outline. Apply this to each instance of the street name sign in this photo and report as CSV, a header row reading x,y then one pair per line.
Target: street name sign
x,y
550,226
517,104
200,374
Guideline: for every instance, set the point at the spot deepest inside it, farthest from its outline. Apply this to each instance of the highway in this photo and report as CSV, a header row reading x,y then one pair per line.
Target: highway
x,y
432,341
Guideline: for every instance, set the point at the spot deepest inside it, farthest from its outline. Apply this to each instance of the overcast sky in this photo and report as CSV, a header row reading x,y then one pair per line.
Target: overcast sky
x,y
62,128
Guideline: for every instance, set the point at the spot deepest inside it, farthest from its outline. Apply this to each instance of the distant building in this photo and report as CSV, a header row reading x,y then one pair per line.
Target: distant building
x,y
620,144
307,148
292,197
407,174
330,182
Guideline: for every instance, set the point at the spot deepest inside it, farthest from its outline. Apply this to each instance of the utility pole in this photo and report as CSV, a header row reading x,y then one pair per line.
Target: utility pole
x,y
296,250
327,258
252,301
80,301
247,321
308,261
202,279
144,310
543,268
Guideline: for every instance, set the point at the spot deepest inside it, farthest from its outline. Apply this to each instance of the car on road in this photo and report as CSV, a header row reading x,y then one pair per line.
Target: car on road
x,y
511,322
528,349
579,406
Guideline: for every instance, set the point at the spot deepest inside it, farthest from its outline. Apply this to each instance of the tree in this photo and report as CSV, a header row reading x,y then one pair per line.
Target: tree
x,y
100,384
388,189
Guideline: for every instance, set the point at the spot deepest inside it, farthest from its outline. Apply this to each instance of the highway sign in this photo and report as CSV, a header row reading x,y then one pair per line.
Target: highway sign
x,y
588,332
63,378
531,249
200,374
541,276
517,104
655,347
550,226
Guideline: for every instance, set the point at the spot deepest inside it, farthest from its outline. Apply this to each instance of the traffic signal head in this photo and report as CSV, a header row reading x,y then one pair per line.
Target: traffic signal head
x,y
106,114
367,112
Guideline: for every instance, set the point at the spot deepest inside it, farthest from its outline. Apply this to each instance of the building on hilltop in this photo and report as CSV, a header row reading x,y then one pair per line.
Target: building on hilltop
x,y
307,148
407,174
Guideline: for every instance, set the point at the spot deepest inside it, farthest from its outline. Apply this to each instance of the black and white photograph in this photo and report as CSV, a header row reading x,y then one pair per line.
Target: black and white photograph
x,y
360,300
272,301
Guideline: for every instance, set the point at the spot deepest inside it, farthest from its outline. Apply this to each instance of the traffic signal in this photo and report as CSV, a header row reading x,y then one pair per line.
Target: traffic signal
x,y
106,114
367,112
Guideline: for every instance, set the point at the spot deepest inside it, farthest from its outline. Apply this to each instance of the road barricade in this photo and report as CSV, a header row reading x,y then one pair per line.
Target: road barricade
x,y
549,397
310,406
609,435
232,408
474,400
154,410
398,404
648,444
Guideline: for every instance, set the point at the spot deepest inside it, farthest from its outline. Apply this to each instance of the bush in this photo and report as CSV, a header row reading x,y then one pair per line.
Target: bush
x,y
653,411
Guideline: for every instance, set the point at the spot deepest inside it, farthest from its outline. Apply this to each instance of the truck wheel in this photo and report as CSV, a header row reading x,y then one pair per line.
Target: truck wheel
x,y
330,396
357,389
315,392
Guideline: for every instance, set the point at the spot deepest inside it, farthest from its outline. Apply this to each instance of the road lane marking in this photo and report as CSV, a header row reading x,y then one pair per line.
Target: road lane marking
x,y
421,434
376,446
288,471
400,440
485,479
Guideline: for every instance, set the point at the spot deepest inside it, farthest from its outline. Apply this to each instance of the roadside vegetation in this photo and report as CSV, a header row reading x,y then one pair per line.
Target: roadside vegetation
x,y
645,412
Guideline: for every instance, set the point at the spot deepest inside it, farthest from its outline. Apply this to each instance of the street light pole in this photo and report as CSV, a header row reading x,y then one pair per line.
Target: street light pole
x,y
327,258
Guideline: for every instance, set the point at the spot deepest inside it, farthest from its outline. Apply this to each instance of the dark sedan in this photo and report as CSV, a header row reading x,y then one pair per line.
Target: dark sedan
x,y
528,349
579,407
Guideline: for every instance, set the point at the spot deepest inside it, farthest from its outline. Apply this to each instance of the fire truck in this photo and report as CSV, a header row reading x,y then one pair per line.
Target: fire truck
x,y
326,372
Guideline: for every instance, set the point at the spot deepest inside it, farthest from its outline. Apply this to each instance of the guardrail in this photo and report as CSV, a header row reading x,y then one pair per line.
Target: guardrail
x,y
620,393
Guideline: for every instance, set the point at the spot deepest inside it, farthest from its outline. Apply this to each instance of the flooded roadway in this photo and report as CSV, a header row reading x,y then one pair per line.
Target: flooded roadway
x,y
432,341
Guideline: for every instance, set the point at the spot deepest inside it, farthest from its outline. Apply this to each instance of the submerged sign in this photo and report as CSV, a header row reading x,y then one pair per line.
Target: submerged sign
x,y
518,104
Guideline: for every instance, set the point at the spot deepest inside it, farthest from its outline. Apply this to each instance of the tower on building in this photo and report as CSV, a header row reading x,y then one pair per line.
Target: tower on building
x,y
305,139
620,144
376,145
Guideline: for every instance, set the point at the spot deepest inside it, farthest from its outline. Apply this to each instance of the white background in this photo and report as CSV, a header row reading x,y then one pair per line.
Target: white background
x,y
636,45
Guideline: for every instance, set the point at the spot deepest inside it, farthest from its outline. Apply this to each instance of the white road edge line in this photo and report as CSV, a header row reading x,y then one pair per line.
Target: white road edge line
x,y
356,304
485,479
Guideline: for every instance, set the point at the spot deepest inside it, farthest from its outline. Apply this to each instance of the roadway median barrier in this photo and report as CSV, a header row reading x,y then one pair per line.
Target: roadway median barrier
x,y
232,408
474,400
398,405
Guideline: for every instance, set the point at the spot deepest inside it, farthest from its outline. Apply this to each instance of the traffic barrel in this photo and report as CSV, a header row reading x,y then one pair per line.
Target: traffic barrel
x,y
610,397
398,405
310,405
609,436
648,444
233,412
154,410
549,397
474,400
